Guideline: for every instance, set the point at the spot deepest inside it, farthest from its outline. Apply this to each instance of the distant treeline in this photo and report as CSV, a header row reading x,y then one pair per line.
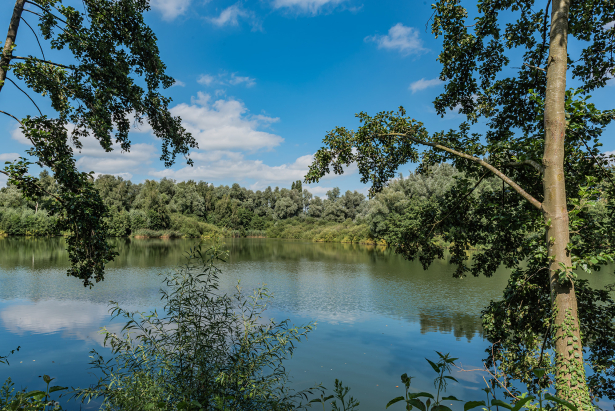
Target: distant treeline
x,y
167,208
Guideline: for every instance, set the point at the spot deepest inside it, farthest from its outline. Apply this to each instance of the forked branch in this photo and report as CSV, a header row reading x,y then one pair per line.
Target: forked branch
x,y
483,163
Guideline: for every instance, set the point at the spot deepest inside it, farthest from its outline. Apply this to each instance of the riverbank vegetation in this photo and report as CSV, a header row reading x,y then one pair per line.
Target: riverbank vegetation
x,y
169,209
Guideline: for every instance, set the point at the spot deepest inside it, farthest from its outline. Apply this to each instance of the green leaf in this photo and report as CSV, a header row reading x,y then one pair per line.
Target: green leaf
x,y
421,394
448,377
57,388
473,404
393,401
521,402
441,408
561,402
33,393
501,403
450,398
434,366
417,403
47,379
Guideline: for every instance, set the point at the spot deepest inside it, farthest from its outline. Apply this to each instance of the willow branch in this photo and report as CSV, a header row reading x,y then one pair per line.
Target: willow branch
x,y
27,95
483,163
531,163
43,61
35,35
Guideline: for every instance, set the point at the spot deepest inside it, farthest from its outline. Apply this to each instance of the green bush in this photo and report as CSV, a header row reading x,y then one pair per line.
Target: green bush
x,y
208,351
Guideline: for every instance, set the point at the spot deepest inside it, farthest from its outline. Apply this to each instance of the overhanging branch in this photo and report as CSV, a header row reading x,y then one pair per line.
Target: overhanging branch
x,y
483,163
531,163
43,61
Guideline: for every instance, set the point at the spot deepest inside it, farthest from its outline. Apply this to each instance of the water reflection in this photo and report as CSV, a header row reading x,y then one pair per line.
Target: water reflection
x,y
379,315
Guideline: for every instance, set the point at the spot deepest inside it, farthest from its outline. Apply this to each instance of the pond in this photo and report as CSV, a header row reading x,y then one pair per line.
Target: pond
x,y
378,316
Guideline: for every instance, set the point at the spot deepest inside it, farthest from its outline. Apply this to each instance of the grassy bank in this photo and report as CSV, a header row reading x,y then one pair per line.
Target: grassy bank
x,y
322,231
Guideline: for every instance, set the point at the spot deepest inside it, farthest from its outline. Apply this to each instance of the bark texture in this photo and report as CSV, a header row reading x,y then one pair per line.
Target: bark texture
x,y
7,51
571,384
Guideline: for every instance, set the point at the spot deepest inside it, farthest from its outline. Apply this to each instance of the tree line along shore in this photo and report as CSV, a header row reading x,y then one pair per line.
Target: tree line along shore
x,y
168,209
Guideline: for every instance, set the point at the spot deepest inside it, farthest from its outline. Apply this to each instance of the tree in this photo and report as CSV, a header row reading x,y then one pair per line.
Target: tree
x,y
113,80
542,142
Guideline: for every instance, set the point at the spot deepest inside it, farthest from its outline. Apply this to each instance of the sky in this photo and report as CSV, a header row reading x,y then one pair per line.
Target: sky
x,y
260,83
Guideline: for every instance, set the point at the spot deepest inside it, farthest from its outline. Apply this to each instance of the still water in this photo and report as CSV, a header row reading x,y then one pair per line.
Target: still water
x,y
378,316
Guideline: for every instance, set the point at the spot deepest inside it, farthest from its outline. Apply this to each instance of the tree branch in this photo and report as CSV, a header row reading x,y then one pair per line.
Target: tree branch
x,y
43,61
534,67
531,163
10,115
35,35
27,95
46,11
458,202
483,163
39,187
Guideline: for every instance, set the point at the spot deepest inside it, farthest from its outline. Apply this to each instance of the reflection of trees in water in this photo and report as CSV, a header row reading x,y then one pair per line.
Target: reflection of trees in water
x,y
40,252
459,324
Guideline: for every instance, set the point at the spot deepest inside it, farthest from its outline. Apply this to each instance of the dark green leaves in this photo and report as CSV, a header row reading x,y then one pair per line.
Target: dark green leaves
x,y
112,82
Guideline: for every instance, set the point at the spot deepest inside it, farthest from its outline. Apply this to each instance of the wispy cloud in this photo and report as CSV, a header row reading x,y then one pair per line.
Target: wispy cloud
x,y
231,16
206,79
312,7
225,80
170,9
179,83
400,38
422,84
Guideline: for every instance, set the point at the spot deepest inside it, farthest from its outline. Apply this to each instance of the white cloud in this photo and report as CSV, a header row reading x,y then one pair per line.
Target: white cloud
x,y
400,38
179,83
306,6
229,165
92,157
206,79
609,26
318,190
235,80
225,125
225,80
422,84
229,16
171,9
8,157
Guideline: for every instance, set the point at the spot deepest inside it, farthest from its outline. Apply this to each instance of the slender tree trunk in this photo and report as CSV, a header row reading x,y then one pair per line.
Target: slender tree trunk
x,y
7,51
570,374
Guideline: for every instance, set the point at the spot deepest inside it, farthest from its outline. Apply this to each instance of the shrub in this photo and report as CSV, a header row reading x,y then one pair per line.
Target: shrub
x,y
208,351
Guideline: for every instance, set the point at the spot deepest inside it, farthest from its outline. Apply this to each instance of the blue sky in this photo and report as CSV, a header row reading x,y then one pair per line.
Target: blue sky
x,y
260,83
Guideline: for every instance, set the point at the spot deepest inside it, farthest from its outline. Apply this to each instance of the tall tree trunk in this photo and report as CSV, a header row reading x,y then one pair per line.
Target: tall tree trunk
x,y
570,374
7,51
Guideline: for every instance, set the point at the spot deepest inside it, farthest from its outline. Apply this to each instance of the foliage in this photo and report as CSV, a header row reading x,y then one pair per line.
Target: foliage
x,y
29,401
209,350
508,226
95,95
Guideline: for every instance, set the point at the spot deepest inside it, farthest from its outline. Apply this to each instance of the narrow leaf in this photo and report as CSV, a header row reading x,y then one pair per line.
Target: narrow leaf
x,y
394,400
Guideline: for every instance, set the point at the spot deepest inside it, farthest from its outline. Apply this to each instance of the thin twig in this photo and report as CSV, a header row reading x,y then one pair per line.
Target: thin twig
x,y
10,115
43,61
27,95
35,35
534,67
